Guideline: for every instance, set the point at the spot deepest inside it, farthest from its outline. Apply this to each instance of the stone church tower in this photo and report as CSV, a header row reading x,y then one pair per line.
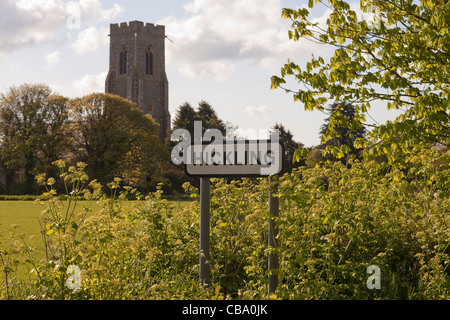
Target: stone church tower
x,y
137,69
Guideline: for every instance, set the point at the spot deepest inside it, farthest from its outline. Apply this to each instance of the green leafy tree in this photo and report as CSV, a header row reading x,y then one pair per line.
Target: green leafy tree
x,y
184,118
56,140
186,115
341,130
403,61
33,131
209,118
115,139
289,146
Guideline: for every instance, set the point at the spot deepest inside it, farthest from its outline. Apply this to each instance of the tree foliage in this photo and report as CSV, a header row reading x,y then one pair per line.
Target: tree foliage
x,y
184,118
403,62
340,131
115,139
33,130
110,134
289,146
186,115
210,118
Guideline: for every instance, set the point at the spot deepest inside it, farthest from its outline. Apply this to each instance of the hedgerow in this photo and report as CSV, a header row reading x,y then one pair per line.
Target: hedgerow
x,y
334,222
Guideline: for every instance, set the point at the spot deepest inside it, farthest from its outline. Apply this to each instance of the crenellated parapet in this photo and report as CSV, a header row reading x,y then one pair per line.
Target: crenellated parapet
x,y
136,26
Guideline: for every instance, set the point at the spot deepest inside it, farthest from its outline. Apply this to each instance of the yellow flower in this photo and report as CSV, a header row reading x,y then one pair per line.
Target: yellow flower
x,y
51,181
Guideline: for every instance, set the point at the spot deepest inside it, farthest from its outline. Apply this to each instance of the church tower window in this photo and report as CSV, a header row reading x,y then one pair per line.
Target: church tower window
x,y
149,61
123,60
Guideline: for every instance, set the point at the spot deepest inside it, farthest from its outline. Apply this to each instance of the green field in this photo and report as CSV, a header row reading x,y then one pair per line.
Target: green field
x,y
21,217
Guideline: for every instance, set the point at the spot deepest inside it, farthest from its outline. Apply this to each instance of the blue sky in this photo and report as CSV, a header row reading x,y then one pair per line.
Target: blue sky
x,y
223,52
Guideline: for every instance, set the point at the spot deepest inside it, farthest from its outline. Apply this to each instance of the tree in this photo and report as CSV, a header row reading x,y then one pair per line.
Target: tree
x,y
184,118
116,139
186,115
209,118
33,133
403,61
341,130
57,141
289,146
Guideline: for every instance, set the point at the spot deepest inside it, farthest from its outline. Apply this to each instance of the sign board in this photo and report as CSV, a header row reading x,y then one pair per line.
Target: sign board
x,y
236,158
227,158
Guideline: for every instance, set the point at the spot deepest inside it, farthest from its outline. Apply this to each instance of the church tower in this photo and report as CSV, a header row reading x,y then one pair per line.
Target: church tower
x,y
137,69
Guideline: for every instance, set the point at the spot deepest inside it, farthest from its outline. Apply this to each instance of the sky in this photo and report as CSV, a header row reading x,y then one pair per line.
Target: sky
x,y
220,51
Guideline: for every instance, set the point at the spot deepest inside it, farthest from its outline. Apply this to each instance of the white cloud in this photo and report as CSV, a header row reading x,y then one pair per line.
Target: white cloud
x,y
37,4
29,22
257,111
216,70
90,40
87,84
227,31
52,58
93,9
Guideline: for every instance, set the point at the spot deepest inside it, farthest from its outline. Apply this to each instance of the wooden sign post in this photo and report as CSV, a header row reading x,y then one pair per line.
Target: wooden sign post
x,y
204,231
273,240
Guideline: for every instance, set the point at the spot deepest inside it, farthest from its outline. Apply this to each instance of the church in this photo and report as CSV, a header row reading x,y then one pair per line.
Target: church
x,y
137,69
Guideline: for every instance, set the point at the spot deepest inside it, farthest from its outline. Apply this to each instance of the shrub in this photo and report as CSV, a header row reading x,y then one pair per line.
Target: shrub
x,y
332,231
334,222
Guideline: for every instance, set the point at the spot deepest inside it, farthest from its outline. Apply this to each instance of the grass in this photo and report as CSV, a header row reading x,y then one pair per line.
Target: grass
x,y
20,217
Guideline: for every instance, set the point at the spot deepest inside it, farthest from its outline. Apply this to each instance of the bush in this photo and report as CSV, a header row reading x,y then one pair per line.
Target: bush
x,y
4,197
338,221
334,222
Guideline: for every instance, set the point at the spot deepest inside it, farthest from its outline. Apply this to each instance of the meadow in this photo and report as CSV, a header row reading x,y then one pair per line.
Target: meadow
x,y
21,221
22,217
